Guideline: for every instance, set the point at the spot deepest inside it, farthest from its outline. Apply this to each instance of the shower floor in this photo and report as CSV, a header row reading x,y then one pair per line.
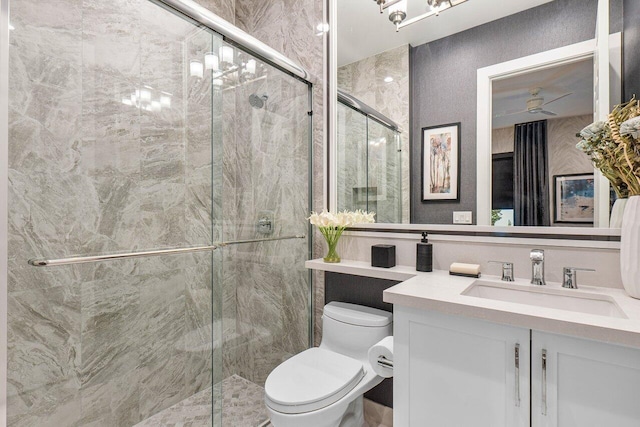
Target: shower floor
x,y
242,406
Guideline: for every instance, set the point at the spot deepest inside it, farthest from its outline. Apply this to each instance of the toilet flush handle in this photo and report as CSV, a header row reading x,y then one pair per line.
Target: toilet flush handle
x,y
384,362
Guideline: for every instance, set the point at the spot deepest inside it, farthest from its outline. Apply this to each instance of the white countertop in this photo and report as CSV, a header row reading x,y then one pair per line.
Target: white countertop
x,y
441,292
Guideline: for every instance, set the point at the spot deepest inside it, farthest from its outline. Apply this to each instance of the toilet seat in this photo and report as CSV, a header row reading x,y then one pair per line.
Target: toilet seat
x,y
311,380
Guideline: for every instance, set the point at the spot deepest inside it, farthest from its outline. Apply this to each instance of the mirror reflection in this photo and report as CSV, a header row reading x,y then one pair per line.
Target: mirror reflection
x,y
422,74
539,177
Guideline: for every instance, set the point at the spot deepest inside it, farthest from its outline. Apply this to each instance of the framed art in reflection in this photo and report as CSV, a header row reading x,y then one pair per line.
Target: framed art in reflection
x,y
441,162
574,198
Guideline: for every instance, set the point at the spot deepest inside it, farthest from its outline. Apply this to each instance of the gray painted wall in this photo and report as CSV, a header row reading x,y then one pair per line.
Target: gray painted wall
x,y
443,83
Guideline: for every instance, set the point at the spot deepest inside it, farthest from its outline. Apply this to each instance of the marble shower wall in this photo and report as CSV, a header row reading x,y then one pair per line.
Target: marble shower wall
x,y
290,26
109,343
364,79
268,172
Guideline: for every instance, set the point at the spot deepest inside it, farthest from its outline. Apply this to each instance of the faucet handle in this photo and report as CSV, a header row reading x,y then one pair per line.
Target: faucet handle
x,y
537,255
570,276
507,270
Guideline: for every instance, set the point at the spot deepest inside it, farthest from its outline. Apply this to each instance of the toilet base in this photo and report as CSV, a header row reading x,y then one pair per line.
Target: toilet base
x,y
354,415
340,414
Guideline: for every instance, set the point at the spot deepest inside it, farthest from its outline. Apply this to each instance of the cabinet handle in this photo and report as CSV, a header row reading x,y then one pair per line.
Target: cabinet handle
x,y
517,363
544,382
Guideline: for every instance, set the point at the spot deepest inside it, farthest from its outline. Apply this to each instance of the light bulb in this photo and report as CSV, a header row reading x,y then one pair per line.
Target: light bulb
x,y
226,54
145,95
165,101
211,61
251,66
401,6
196,69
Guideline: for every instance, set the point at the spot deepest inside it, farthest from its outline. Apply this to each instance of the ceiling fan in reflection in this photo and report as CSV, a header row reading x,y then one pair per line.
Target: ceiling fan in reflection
x,y
535,104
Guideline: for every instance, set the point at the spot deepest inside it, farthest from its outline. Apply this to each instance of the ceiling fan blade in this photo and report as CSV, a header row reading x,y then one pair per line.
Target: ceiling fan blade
x,y
548,113
509,113
560,97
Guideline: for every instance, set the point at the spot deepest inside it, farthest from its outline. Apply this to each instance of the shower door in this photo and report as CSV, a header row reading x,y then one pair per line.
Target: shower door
x,y
112,149
132,129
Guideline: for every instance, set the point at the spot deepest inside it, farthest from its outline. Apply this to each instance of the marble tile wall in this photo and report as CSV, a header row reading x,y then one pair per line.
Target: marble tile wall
x,y
271,174
364,79
290,27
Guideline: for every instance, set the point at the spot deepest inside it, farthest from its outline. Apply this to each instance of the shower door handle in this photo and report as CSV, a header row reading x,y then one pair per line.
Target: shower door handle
x,y
155,252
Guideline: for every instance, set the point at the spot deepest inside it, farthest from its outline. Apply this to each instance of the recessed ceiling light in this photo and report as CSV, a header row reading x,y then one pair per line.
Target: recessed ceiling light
x,y
388,79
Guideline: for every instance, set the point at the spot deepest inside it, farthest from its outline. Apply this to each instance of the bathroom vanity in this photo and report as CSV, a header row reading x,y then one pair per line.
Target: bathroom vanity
x,y
483,352
491,353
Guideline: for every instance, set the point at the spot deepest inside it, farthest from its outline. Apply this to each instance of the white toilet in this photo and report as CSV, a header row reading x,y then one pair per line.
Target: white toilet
x,y
323,386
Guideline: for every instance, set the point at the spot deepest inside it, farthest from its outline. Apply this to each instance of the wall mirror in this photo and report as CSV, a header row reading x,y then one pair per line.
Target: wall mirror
x,y
448,112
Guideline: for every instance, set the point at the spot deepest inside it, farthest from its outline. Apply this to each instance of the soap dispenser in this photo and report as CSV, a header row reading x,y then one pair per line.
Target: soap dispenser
x,y
424,254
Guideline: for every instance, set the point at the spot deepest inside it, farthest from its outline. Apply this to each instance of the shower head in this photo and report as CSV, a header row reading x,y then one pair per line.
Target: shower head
x,y
257,101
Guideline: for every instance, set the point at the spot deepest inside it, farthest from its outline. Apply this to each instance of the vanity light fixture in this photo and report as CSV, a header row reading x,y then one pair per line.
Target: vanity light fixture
x,y
398,10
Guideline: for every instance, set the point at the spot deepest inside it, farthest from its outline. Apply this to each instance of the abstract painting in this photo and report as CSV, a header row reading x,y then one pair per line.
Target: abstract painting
x,y
440,162
574,198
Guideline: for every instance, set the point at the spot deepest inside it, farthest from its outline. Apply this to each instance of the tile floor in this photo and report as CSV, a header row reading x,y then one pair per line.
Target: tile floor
x,y
242,403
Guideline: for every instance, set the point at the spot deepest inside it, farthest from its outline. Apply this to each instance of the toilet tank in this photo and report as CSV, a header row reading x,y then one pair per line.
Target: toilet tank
x,y
351,329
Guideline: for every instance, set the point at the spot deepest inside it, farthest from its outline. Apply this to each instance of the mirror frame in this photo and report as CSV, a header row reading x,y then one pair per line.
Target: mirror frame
x,y
604,235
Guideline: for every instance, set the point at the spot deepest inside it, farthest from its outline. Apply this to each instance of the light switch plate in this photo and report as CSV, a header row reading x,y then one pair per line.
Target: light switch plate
x,y
462,217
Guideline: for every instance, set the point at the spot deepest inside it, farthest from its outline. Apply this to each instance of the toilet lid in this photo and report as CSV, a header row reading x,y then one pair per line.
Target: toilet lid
x,y
311,380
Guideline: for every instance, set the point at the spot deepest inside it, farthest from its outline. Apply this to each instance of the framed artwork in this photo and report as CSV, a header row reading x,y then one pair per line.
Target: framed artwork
x,y
574,198
441,162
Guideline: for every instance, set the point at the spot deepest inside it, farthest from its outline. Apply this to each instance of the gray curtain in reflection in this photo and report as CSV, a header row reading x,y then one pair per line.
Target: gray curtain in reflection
x,y
531,175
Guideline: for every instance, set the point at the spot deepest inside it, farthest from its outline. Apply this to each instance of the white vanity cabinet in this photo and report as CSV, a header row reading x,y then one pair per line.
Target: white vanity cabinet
x,y
583,383
460,371
456,371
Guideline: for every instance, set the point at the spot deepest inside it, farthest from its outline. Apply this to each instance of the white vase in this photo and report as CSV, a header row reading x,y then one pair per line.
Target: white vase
x,y
630,247
617,212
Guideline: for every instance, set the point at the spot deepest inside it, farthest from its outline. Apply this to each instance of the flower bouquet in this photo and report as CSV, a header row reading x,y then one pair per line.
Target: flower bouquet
x,y
614,148
331,225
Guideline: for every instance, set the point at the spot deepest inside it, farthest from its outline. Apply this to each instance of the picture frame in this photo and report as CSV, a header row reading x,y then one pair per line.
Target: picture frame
x,y
441,163
573,198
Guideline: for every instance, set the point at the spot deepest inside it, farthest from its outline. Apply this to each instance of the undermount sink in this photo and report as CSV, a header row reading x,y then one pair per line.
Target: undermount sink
x,y
541,296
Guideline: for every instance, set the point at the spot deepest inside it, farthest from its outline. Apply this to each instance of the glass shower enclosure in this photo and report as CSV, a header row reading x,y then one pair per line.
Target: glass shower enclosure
x,y
369,164
158,190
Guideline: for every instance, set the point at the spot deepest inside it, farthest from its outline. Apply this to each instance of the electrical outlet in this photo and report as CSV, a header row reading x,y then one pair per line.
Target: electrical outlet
x,y
462,217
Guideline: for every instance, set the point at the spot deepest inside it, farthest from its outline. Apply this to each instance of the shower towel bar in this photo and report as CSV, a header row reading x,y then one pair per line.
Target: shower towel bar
x,y
109,257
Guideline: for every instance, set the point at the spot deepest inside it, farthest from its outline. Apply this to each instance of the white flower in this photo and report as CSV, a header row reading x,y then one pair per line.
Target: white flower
x,y
341,219
631,128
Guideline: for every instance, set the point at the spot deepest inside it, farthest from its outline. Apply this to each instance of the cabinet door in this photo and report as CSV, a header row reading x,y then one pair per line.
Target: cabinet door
x,y
455,371
583,383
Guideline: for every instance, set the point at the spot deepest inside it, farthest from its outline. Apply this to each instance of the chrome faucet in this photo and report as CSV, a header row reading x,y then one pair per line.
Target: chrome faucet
x,y
537,267
570,276
507,270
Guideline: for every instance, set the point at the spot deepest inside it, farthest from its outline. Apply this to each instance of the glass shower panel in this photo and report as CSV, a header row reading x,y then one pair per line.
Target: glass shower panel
x,y
351,151
113,147
368,167
266,288
384,173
